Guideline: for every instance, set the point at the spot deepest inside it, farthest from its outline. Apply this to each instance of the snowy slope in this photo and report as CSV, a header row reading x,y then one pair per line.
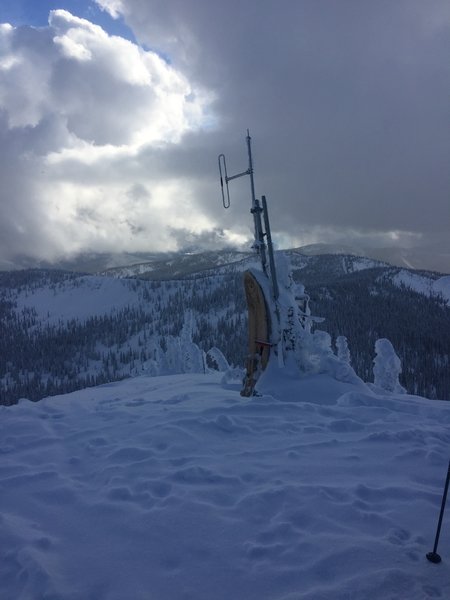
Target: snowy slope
x,y
177,488
442,286
179,265
431,258
423,283
79,298
418,283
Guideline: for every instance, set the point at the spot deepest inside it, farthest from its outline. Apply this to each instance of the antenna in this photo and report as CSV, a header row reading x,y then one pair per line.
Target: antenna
x,y
223,165
256,209
264,323
225,177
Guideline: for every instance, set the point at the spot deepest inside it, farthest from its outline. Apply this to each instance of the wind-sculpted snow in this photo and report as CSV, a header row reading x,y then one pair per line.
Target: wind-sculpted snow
x,y
176,487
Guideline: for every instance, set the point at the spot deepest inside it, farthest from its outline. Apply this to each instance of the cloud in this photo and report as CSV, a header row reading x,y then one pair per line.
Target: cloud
x,y
116,143
113,7
211,239
80,112
348,103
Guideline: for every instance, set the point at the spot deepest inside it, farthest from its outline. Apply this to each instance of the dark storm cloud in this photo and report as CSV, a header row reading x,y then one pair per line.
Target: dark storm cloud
x,y
347,102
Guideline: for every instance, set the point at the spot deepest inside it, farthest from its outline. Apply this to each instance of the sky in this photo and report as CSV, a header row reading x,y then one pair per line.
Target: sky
x,y
113,114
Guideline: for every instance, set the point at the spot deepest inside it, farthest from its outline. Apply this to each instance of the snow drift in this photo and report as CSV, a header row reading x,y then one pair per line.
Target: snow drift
x,y
176,487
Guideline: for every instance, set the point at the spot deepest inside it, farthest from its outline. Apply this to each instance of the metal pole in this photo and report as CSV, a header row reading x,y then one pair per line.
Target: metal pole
x,y
259,235
259,244
434,556
273,272
250,168
256,209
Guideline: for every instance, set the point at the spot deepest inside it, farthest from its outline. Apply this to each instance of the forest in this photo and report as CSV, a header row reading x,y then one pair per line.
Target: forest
x,y
41,356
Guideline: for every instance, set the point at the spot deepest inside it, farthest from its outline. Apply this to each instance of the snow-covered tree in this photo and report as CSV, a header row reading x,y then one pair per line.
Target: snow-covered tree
x,y
387,367
217,359
309,350
192,357
303,348
343,352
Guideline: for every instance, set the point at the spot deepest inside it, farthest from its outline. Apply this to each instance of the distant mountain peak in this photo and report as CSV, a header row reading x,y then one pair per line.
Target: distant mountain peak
x,y
419,258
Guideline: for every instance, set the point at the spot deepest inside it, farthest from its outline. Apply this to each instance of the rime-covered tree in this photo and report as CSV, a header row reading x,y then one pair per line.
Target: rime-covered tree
x,y
343,351
387,367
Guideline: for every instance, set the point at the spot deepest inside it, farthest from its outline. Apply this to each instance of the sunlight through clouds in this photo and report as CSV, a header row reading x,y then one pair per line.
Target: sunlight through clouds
x,y
131,95
79,104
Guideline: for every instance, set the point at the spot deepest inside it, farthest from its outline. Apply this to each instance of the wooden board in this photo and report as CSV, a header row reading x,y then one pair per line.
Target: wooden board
x,y
258,333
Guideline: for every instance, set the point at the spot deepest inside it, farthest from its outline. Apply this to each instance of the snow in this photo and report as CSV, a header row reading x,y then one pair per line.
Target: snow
x,y
417,283
361,263
177,487
442,286
132,271
387,367
81,298
424,285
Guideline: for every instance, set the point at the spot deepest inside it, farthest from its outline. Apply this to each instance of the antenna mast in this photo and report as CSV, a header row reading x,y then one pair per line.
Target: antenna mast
x,y
257,211
264,326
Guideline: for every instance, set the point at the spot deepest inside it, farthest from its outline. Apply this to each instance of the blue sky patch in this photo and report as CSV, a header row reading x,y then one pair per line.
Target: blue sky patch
x,y
30,12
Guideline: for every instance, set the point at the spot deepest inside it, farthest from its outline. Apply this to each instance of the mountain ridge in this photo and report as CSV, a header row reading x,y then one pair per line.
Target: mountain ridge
x,y
429,259
64,331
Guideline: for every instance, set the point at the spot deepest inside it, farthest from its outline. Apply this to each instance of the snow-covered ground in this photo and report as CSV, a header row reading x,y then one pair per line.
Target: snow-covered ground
x,y
176,487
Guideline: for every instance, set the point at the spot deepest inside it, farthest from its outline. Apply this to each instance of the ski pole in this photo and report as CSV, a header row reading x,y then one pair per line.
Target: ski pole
x,y
434,556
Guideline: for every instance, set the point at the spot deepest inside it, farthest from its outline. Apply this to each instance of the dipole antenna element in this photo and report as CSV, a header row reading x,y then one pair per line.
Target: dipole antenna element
x,y
225,178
